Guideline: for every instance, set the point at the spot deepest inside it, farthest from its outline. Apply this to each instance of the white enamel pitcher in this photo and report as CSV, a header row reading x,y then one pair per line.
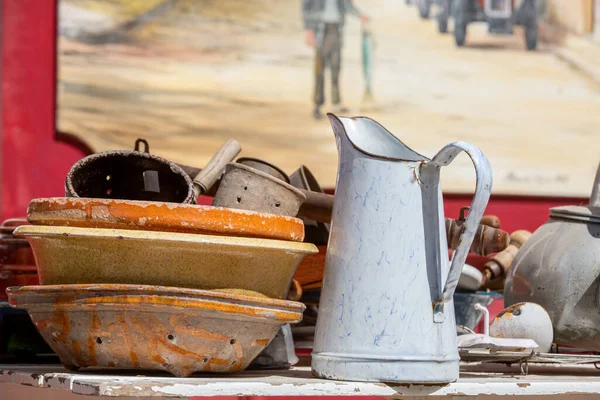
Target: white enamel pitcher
x,y
386,311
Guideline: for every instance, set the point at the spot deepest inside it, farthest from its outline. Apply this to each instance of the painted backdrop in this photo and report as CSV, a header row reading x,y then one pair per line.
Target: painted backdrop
x,y
189,74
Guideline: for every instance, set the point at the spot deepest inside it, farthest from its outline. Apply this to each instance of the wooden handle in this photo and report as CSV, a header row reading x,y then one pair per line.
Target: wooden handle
x,y
207,177
498,266
518,238
490,220
295,292
487,240
595,197
317,207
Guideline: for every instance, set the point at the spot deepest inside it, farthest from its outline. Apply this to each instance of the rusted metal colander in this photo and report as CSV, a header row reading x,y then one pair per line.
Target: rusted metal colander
x,y
247,188
265,167
129,175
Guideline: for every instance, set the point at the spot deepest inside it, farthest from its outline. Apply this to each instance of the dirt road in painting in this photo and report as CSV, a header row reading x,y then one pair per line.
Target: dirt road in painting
x,y
199,72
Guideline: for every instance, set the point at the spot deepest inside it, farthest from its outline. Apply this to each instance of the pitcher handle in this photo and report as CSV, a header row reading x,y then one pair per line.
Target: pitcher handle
x,y
483,187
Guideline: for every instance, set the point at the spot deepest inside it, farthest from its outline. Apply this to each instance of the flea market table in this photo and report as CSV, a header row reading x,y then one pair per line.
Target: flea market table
x,y
54,382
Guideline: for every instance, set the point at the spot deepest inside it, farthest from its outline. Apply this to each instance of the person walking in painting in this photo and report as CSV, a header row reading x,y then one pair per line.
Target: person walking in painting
x,y
324,24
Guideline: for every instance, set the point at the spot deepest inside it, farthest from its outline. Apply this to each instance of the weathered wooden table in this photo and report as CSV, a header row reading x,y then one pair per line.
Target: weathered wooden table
x,y
54,382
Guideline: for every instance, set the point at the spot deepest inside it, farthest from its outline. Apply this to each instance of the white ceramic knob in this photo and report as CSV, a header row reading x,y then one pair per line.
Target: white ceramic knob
x,y
524,321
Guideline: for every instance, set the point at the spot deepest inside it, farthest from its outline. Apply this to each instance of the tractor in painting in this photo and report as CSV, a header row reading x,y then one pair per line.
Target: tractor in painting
x,y
500,15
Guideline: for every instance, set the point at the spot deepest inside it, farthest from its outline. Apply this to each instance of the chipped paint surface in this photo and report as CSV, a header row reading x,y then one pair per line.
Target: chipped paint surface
x,y
177,330
85,255
157,216
386,311
524,321
297,381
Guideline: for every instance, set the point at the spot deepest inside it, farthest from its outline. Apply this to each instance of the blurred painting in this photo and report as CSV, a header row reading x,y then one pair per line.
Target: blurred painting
x,y
186,75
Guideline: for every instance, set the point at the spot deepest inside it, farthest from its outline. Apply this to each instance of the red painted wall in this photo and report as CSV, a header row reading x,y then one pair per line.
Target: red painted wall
x,y
515,212
33,162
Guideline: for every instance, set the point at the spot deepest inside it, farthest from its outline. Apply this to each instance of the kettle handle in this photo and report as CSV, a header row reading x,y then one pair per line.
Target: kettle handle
x,y
483,187
595,197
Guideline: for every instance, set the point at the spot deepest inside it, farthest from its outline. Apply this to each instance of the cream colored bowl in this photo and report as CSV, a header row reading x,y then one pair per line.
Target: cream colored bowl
x,y
67,255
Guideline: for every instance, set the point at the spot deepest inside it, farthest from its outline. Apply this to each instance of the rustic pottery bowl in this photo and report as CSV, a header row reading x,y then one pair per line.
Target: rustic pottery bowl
x,y
132,175
9,225
159,216
67,255
15,251
153,328
16,275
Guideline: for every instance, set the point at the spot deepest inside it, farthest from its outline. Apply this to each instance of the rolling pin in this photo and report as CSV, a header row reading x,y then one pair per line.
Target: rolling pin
x,y
295,292
488,240
498,266
317,206
490,220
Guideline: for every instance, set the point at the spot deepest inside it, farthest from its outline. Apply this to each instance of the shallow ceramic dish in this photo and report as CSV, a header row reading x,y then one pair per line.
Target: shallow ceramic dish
x,y
16,275
15,251
150,327
160,216
8,226
67,255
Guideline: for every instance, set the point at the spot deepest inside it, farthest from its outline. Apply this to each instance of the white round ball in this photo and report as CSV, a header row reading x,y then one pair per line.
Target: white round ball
x,y
524,321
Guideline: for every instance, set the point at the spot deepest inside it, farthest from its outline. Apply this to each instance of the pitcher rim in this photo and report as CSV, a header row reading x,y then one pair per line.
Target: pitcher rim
x,y
332,115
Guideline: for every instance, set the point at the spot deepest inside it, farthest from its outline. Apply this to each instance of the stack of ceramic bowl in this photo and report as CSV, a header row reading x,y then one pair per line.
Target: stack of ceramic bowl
x,y
19,340
17,265
155,285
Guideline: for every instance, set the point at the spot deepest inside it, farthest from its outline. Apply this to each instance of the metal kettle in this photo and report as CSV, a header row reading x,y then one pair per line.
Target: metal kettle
x,y
559,269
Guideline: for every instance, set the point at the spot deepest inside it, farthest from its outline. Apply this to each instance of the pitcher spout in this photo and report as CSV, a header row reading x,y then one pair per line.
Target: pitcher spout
x,y
371,138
